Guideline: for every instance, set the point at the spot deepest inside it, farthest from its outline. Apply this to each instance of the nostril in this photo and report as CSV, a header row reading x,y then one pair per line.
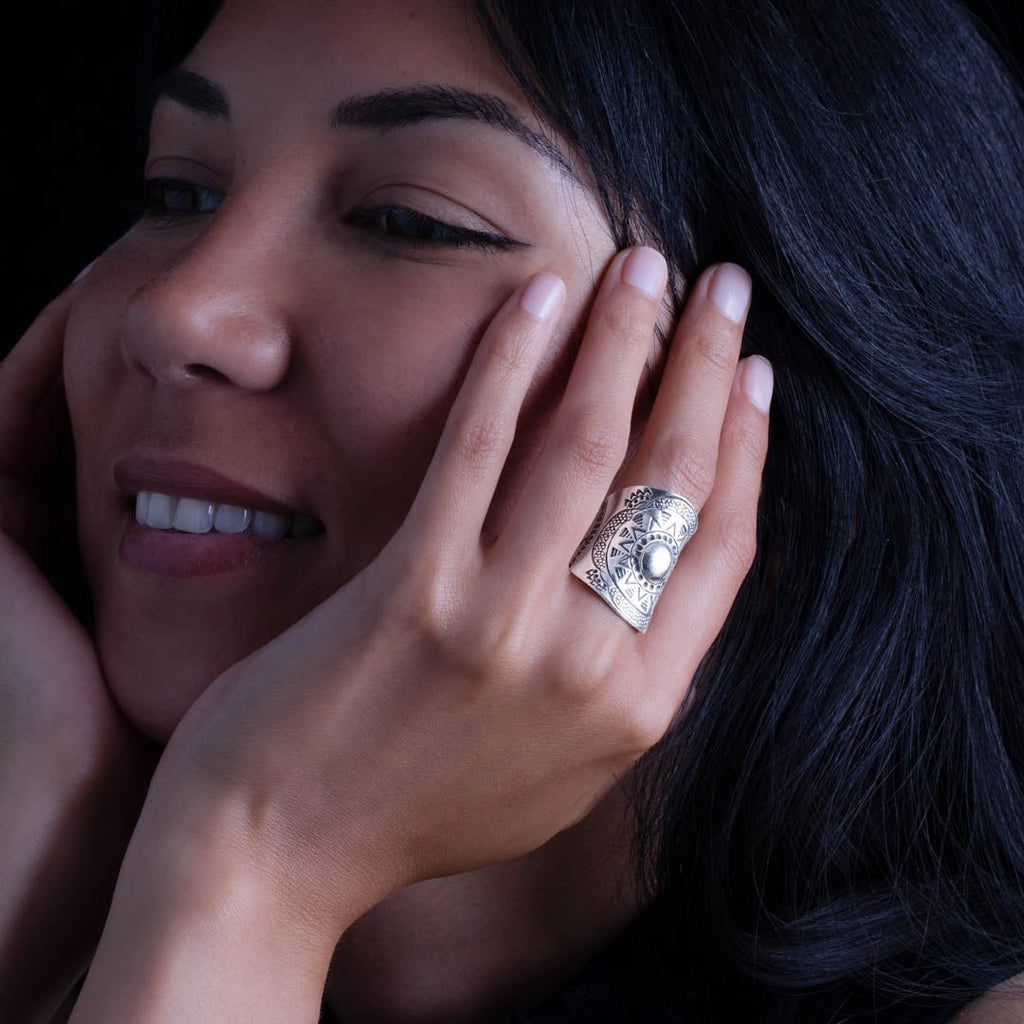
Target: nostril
x,y
203,372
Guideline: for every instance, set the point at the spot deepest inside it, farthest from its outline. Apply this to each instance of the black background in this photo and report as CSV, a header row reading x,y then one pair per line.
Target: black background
x,y
72,168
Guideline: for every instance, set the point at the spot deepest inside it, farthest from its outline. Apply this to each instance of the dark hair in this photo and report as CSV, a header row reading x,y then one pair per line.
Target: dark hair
x,y
835,828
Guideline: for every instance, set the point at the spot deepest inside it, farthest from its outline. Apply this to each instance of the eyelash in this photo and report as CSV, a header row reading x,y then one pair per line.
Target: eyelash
x,y
156,194
405,226
397,224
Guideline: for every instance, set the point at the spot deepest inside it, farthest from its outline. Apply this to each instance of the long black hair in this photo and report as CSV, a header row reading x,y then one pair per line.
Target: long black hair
x,y
835,828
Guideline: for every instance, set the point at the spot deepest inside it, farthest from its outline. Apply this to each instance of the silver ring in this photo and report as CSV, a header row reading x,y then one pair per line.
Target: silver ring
x,y
632,548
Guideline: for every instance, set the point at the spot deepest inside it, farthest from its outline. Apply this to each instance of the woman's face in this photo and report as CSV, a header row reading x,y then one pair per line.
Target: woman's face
x,y
344,193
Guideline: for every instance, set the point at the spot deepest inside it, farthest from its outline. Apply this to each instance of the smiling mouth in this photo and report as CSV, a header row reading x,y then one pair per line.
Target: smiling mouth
x,y
173,514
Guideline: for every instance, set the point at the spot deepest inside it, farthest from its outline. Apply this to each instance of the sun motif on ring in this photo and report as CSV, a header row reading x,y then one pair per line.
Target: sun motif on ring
x,y
641,557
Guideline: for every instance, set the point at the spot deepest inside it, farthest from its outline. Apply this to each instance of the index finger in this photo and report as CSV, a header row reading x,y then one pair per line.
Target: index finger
x,y
29,372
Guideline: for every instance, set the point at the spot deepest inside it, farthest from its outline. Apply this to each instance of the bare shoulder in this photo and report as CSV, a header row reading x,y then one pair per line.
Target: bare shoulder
x,y
1003,1005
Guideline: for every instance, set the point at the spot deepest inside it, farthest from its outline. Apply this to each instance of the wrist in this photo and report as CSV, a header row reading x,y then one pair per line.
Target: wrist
x,y
209,912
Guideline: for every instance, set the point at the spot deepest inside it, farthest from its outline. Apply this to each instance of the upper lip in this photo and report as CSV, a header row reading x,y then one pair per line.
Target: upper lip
x,y
137,473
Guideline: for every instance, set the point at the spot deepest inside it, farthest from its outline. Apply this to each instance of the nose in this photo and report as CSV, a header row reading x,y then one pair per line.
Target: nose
x,y
214,315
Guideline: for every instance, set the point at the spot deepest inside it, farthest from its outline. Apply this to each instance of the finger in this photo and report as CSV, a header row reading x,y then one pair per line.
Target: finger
x,y
590,432
707,577
28,373
679,448
459,485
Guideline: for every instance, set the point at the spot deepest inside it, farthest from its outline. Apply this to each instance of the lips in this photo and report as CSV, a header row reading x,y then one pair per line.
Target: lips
x,y
136,474
169,548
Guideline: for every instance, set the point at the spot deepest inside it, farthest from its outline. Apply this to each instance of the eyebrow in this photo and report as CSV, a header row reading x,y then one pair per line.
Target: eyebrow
x,y
398,108
194,91
383,111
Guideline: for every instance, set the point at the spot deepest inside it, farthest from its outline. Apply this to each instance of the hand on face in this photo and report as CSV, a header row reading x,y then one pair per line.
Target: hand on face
x,y
52,680
464,698
72,773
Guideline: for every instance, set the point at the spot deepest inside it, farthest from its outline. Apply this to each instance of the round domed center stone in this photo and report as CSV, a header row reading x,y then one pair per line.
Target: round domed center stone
x,y
656,561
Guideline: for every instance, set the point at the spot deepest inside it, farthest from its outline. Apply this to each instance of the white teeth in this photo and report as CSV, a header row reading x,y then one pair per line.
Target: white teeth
x,y
142,508
269,525
232,519
191,515
160,514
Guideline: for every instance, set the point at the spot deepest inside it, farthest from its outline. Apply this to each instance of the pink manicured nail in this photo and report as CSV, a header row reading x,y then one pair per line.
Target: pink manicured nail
x,y
541,297
757,380
729,290
645,269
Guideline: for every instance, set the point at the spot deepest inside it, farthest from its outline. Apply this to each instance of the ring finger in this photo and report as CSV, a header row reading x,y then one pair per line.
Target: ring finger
x,y
679,448
590,431
679,451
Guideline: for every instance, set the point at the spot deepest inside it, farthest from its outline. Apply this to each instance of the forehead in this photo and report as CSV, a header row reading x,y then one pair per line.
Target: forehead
x,y
304,50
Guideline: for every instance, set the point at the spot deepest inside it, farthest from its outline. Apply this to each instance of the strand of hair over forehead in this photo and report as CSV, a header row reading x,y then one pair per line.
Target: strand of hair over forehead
x,y
837,825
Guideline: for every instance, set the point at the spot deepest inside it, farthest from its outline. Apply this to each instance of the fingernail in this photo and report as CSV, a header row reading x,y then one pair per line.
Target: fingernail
x,y
729,290
540,298
85,270
757,380
645,269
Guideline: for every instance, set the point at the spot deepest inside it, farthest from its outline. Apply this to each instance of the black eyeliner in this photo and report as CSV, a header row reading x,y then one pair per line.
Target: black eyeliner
x,y
444,235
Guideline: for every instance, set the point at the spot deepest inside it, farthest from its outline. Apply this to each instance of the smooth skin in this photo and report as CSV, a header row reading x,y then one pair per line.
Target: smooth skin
x,y
426,690
459,670
519,688
74,774
454,705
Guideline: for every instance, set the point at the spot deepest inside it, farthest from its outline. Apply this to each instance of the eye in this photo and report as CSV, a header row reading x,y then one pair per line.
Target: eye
x,y
402,225
169,198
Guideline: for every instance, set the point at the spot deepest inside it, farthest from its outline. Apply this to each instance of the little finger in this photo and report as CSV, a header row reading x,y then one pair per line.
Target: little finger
x,y
703,587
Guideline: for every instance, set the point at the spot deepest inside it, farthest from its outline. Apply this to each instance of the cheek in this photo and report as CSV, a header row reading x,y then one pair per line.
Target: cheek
x,y
93,384
385,365
90,358
94,369
405,332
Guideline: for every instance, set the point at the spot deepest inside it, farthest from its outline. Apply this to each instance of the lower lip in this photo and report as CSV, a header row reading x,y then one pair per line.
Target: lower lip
x,y
170,553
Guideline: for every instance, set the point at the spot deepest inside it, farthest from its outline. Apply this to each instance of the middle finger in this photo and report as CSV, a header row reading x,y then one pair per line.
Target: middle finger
x,y
590,432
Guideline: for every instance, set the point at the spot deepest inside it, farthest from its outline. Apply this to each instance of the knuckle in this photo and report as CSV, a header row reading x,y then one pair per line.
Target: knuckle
x,y
510,354
575,681
499,643
687,467
481,440
718,346
646,723
626,320
481,644
427,605
596,448
581,673
747,435
737,541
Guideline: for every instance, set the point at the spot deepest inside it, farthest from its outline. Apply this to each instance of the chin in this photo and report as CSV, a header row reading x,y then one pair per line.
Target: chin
x,y
158,665
161,646
153,691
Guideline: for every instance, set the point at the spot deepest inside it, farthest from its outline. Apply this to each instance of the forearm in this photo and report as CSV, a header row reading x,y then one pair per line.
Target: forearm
x,y
206,925
55,884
